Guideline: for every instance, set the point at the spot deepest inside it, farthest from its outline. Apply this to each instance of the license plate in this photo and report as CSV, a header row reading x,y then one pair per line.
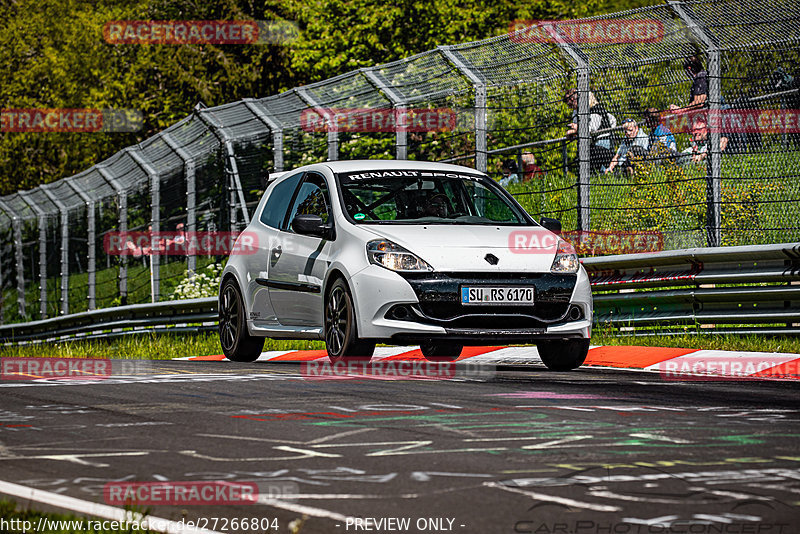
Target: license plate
x,y
497,295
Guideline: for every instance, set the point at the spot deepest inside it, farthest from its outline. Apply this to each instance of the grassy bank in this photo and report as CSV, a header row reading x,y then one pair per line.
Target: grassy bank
x,y
166,347
144,347
18,521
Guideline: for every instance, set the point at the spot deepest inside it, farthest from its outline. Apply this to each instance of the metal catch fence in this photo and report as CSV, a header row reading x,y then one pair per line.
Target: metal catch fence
x,y
702,96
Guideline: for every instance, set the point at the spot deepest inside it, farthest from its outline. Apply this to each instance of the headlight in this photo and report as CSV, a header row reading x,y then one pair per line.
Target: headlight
x,y
566,259
394,257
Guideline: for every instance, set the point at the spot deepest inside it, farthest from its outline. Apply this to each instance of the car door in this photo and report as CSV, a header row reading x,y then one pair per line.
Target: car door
x,y
301,261
266,228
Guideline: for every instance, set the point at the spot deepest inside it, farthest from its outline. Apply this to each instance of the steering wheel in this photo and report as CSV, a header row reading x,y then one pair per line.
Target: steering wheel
x,y
438,206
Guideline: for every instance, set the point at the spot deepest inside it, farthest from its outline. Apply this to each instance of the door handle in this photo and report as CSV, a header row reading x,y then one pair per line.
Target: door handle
x,y
276,252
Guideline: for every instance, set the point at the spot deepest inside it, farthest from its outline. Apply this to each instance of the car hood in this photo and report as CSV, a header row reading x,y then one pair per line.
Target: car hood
x,y
463,248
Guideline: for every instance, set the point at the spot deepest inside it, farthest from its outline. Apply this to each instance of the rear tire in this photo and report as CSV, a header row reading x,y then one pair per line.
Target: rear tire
x,y
563,355
341,334
237,343
441,352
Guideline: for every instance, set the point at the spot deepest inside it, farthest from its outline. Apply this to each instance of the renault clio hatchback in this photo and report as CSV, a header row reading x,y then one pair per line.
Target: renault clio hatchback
x,y
380,251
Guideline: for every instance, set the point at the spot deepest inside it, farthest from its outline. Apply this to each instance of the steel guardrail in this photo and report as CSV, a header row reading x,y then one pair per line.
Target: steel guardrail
x,y
747,289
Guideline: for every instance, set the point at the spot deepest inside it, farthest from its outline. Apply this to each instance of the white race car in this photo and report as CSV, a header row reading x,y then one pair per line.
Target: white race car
x,y
383,251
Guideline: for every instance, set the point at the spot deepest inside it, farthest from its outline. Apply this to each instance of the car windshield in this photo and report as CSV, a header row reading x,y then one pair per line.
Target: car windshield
x,y
426,197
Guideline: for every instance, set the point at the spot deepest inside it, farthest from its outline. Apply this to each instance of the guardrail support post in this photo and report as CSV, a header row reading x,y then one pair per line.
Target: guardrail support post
x,y
191,197
260,110
584,117
479,84
16,226
155,217
333,130
400,133
92,238
714,159
62,209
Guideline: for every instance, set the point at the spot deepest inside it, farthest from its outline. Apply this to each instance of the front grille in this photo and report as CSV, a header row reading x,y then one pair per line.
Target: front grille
x,y
440,300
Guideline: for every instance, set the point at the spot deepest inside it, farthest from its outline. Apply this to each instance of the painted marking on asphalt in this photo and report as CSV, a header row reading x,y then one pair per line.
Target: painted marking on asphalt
x,y
303,509
631,358
624,356
97,510
787,369
77,458
552,498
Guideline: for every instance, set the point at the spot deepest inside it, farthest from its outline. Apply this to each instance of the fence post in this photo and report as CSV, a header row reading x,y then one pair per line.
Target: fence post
x,y
479,84
191,197
41,218
62,209
92,238
155,218
400,133
584,117
714,159
122,195
219,131
333,130
16,226
261,111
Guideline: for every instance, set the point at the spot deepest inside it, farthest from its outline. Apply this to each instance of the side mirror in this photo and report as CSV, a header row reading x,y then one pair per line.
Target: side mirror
x,y
554,225
307,224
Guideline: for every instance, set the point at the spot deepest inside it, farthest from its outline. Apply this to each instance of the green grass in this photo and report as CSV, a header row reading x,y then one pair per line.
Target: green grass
x,y
169,346
143,347
14,517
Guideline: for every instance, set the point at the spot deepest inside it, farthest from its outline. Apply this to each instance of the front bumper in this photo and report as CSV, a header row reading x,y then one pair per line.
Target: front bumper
x,y
419,307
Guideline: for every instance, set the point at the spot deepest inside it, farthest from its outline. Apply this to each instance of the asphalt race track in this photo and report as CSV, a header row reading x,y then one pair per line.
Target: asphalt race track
x,y
593,451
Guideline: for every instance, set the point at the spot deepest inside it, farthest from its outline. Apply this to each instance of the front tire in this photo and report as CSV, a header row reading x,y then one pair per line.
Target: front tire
x,y
341,334
563,355
237,343
441,352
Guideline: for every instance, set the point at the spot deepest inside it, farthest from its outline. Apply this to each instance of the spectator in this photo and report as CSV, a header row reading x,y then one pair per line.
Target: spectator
x,y
510,171
659,134
599,119
698,151
530,169
698,94
636,143
178,242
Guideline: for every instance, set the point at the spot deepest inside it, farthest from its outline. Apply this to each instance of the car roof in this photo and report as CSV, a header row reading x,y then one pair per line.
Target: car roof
x,y
388,164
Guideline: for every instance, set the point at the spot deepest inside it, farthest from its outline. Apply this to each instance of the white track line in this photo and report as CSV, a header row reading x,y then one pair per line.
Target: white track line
x,y
302,509
94,509
552,498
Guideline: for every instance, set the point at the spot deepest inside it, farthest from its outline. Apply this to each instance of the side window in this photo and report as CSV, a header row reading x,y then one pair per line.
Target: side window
x,y
312,199
278,201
